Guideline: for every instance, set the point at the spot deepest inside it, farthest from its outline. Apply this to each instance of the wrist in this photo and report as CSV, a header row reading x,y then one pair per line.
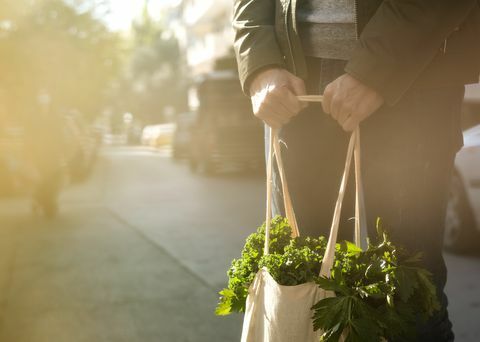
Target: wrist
x,y
256,80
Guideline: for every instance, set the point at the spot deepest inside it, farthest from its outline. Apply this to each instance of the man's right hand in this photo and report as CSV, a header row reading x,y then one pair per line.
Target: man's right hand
x,y
273,93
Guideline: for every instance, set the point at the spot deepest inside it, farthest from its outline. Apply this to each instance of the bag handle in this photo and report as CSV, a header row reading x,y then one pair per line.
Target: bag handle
x,y
274,150
360,217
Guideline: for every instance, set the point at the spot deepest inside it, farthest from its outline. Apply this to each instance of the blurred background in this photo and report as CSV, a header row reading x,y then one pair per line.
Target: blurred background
x,y
131,171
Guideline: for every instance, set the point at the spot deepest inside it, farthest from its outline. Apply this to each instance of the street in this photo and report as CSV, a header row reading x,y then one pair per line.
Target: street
x,y
139,252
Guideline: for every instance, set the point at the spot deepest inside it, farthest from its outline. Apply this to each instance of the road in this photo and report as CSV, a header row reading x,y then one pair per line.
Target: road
x,y
139,253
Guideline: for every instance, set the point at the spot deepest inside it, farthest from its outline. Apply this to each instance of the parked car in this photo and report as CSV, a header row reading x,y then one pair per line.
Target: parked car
x,y
225,132
462,233
158,135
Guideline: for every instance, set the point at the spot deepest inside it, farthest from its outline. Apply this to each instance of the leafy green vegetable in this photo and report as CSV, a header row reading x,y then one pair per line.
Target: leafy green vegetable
x,y
384,284
298,264
380,292
243,270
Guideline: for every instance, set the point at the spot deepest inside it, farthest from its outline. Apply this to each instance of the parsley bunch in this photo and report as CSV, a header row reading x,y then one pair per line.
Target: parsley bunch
x,y
380,292
290,262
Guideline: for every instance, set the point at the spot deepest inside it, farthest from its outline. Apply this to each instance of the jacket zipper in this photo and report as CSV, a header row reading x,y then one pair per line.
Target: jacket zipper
x,y
355,19
289,42
445,42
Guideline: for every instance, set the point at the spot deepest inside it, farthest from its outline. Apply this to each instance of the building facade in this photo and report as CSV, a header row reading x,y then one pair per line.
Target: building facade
x,y
206,33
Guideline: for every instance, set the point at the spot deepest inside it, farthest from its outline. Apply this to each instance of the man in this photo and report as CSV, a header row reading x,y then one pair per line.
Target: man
x,y
45,147
397,68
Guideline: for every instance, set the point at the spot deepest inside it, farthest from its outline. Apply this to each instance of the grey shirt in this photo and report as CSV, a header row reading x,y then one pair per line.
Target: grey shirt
x,y
327,28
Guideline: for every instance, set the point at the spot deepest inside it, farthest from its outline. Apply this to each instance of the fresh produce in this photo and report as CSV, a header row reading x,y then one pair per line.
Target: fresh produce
x,y
380,292
243,270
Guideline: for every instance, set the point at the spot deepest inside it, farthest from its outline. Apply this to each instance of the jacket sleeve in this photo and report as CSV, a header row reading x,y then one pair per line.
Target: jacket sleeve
x,y
255,42
400,41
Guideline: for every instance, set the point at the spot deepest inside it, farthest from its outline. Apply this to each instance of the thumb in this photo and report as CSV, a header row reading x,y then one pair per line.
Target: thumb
x,y
297,85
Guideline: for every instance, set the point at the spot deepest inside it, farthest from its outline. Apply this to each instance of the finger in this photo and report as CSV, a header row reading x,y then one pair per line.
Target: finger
x,y
270,112
270,119
298,86
350,124
327,99
343,116
288,100
273,123
336,106
368,106
278,109
345,112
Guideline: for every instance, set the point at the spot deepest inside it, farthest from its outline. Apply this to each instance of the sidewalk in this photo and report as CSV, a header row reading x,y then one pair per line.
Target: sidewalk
x,y
139,253
90,277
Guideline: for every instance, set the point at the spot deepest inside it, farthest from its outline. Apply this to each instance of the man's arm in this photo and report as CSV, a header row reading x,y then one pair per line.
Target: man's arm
x,y
261,65
397,44
401,40
255,43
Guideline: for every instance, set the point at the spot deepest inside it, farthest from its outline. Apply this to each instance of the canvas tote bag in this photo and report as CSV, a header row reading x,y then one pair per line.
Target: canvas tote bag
x,y
276,313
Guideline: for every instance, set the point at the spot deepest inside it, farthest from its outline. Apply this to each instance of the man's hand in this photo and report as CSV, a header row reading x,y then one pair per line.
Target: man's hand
x,y
350,102
273,94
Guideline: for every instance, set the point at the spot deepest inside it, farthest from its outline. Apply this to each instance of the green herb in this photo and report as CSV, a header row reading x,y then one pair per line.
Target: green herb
x,y
384,284
299,262
243,270
380,292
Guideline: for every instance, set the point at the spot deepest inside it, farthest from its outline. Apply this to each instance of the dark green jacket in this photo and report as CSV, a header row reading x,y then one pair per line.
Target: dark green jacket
x,y
402,43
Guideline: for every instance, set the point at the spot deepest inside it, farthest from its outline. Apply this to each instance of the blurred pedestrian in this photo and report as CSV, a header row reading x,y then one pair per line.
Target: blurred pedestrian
x,y
398,68
45,147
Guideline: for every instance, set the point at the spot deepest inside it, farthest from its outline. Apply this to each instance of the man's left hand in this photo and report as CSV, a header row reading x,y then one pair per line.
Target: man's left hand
x,y
350,102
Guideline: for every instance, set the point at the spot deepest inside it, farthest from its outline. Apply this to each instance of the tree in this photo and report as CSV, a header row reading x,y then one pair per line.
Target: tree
x,y
155,74
52,47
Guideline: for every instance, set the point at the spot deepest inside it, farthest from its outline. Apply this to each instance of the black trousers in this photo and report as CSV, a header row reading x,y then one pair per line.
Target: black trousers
x,y
408,153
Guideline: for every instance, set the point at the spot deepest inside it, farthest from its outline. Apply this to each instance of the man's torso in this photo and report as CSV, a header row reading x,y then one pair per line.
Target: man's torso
x,y
327,28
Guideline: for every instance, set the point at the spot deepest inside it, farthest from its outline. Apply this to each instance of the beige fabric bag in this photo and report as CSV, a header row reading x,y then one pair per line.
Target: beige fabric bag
x,y
276,313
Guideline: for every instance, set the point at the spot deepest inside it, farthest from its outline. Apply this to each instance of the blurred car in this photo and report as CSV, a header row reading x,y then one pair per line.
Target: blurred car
x,y
183,135
462,233
114,139
225,132
158,135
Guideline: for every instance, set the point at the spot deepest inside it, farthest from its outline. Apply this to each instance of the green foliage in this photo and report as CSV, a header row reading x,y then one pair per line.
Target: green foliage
x,y
243,270
380,292
383,283
299,262
50,46
290,262
155,76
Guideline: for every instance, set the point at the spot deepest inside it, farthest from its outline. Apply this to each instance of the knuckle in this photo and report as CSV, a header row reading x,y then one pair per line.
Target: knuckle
x,y
263,111
298,82
269,97
348,107
328,91
336,102
282,92
276,91
260,109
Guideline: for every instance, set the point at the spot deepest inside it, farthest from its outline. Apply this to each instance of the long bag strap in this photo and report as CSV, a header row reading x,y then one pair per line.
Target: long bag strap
x,y
274,150
353,149
360,217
